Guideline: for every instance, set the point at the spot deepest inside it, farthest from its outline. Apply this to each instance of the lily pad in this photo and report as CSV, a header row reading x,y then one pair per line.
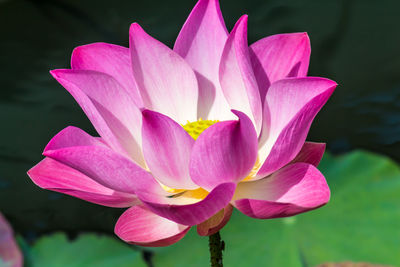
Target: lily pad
x,y
359,224
87,250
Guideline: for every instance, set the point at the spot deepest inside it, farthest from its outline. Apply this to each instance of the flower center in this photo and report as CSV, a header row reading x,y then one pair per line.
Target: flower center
x,y
194,129
188,196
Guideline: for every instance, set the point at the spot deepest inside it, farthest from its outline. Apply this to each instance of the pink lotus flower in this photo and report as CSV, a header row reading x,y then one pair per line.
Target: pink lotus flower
x,y
188,133
10,254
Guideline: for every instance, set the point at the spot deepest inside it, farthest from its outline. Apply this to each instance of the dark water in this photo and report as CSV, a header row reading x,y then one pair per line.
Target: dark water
x,y
356,43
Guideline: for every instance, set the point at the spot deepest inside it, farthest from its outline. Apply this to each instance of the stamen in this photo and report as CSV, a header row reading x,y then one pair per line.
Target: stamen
x,y
194,129
176,195
253,171
172,190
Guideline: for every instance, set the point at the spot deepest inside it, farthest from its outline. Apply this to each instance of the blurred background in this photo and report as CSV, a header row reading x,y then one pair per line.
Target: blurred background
x,y
354,42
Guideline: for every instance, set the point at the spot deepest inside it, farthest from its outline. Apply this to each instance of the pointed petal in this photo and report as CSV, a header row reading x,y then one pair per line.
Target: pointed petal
x,y
109,108
310,153
224,152
200,42
73,136
176,209
107,168
53,175
294,189
110,59
167,147
141,227
280,56
289,109
236,75
216,222
10,253
166,82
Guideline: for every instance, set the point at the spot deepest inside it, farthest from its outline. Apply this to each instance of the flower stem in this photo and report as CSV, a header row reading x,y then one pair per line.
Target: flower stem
x,y
216,247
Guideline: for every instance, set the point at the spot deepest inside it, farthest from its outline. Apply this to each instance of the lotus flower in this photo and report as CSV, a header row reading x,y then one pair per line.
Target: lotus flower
x,y
10,254
188,133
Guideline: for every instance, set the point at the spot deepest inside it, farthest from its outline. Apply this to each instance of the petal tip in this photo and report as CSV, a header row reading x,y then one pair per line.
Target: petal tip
x,y
244,18
49,146
33,175
306,38
242,22
136,28
237,113
58,73
303,35
29,172
329,83
323,145
54,73
148,114
79,53
144,111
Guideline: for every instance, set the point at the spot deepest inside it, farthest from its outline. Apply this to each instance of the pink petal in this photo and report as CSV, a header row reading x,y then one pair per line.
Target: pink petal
x,y
10,253
200,43
289,109
109,108
53,175
280,56
111,59
294,189
73,136
141,227
166,82
107,168
224,152
167,148
176,209
216,222
310,153
236,75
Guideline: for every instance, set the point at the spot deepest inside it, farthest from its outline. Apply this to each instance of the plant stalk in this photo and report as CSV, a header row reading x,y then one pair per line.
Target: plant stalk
x,y
216,247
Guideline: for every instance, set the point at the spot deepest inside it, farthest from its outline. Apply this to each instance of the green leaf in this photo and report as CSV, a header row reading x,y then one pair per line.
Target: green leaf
x,y
87,250
360,223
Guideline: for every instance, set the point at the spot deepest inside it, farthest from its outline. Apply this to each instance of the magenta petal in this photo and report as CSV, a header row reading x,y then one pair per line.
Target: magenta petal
x,y
236,75
310,153
53,175
224,152
72,136
289,109
200,43
109,108
111,59
294,189
106,167
175,210
166,82
167,147
10,253
141,227
280,56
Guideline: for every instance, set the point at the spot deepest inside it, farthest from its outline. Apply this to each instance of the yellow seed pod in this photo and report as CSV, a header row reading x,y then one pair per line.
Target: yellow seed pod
x,y
194,129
